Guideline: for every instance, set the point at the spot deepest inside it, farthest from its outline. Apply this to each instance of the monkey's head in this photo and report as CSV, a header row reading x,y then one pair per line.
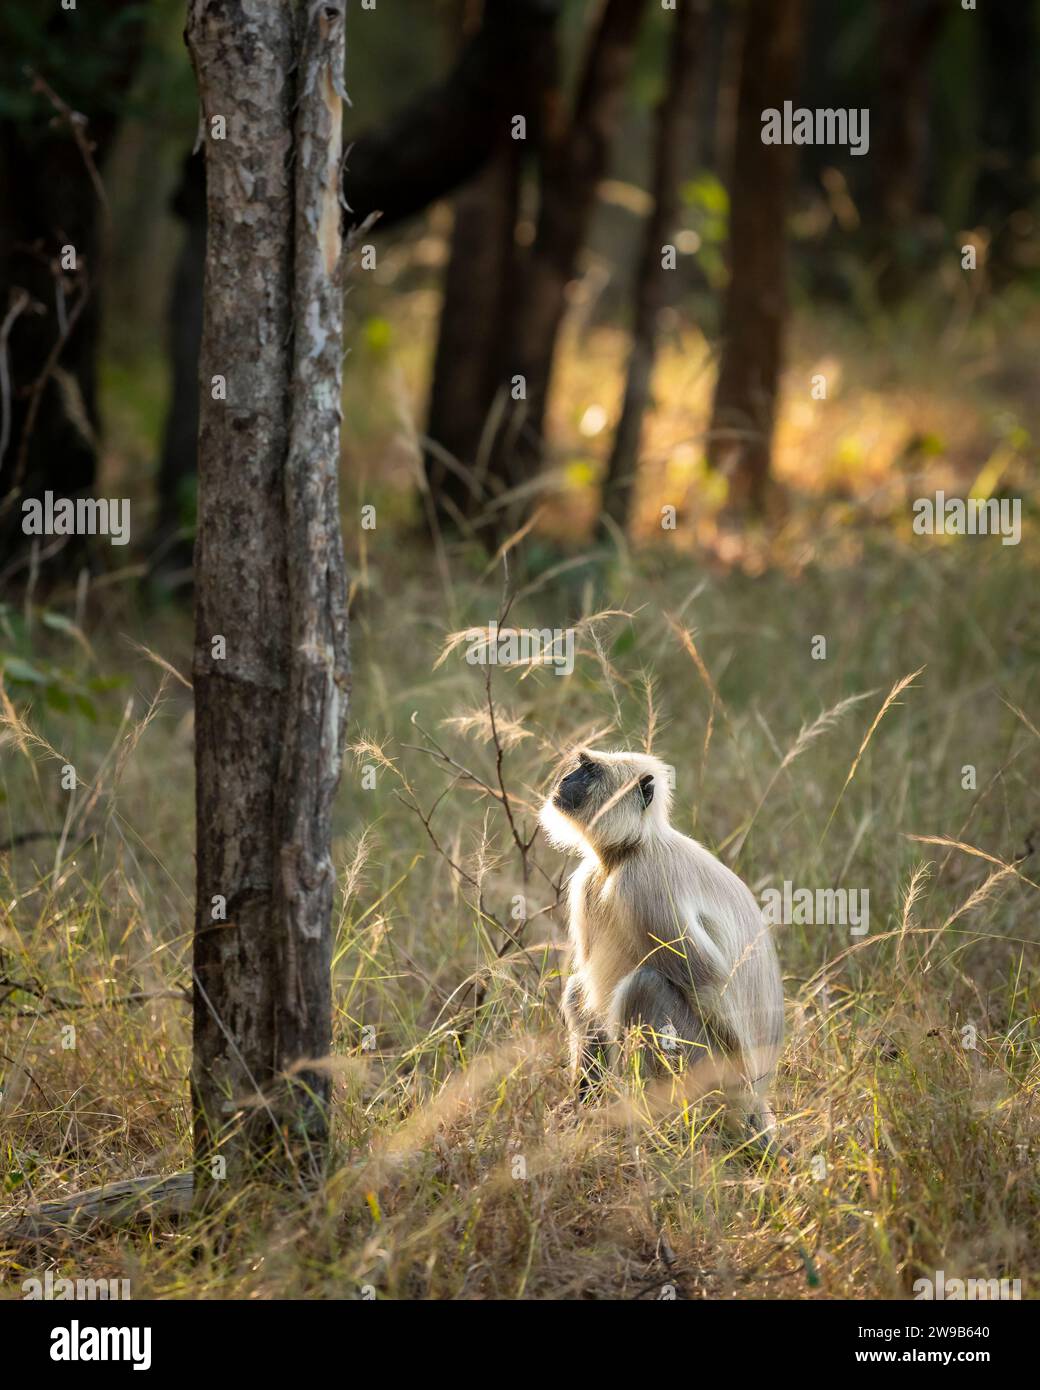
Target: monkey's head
x,y
608,802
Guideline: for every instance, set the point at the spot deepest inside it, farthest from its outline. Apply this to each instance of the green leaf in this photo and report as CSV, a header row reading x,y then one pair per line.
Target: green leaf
x,y
57,621
378,335
58,698
706,192
15,669
85,706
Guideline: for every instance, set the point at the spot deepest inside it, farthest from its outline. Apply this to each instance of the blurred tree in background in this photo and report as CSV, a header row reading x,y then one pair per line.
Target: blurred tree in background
x,y
755,308
65,77
518,237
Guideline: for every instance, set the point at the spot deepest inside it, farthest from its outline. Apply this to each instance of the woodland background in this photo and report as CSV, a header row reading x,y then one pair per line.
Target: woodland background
x,y
695,641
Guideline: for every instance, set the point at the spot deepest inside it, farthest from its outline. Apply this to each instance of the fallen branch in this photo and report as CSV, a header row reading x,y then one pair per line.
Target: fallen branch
x,y
113,1204
56,1004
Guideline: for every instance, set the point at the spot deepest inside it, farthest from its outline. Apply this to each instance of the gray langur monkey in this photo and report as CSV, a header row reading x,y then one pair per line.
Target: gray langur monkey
x,y
664,936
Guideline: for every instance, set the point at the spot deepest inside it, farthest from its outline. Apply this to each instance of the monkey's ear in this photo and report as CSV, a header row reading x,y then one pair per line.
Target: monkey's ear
x,y
646,789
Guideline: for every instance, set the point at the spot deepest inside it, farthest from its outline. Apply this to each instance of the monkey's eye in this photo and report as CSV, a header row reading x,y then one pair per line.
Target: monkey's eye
x,y
584,770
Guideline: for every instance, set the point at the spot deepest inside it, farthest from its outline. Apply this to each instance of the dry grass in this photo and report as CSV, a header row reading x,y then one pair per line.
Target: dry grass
x,y
461,1168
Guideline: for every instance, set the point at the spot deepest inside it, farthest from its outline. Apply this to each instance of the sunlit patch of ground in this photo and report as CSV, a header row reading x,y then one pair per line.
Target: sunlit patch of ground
x,y
937,402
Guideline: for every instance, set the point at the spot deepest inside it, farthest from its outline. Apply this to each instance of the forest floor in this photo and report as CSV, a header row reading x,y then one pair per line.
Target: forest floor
x,y
902,764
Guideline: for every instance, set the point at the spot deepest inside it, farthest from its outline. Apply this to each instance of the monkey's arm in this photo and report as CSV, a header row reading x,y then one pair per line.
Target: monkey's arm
x,y
587,1042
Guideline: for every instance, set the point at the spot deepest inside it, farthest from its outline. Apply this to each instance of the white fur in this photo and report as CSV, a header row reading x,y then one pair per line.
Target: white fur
x,y
642,884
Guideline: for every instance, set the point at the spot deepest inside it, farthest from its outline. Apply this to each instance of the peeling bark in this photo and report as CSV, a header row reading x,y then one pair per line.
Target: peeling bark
x,y
269,571
319,681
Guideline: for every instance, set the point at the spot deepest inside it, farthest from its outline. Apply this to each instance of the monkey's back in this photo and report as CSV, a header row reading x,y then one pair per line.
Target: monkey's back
x,y
671,905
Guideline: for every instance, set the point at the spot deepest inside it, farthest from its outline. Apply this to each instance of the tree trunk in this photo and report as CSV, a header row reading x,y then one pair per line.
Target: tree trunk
x,y
672,147
467,371
755,308
270,654
481,283
573,164
319,672
716,102
448,134
1007,181
907,36
179,464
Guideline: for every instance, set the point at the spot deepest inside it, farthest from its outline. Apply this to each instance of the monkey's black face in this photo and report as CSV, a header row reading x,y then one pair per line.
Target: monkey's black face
x,y
573,791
